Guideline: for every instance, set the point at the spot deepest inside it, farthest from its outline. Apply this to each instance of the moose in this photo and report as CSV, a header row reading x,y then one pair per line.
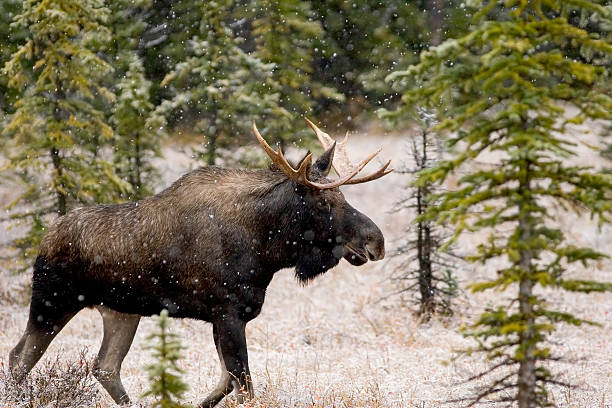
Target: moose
x,y
205,248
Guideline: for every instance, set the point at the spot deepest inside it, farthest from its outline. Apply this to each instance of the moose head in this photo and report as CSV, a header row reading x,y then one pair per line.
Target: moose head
x,y
333,229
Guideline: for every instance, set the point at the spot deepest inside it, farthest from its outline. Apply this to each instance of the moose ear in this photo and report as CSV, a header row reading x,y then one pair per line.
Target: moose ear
x,y
302,160
324,163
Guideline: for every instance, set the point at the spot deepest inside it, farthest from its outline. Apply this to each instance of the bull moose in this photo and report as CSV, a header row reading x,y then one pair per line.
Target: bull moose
x,y
205,248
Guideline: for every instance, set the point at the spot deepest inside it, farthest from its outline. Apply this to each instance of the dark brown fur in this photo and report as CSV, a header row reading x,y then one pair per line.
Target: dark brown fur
x,y
205,248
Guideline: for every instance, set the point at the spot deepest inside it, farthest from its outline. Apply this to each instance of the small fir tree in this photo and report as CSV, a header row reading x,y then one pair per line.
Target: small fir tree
x,y
506,88
423,267
220,85
166,385
57,129
139,131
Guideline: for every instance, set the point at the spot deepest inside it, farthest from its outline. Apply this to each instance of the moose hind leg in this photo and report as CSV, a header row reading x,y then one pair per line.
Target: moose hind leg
x,y
119,331
224,387
54,302
40,331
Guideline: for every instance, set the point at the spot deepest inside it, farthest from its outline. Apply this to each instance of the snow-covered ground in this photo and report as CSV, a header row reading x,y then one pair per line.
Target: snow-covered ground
x,y
335,343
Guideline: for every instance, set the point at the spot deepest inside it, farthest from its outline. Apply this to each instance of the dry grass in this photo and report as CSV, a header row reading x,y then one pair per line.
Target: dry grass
x,y
334,343
57,383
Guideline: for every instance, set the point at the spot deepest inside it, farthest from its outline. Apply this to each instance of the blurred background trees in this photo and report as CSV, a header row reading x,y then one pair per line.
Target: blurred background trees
x,y
327,55
286,34
11,36
219,86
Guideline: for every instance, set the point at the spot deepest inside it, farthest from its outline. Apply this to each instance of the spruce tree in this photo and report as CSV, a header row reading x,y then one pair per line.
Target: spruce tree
x,y
220,85
171,24
423,267
127,22
56,132
166,384
509,88
138,129
366,40
286,35
10,38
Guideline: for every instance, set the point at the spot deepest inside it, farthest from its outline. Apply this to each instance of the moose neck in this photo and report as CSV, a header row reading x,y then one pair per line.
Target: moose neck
x,y
281,234
285,245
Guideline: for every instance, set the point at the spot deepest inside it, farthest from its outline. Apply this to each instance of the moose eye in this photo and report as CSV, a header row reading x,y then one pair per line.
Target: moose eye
x,y
324,205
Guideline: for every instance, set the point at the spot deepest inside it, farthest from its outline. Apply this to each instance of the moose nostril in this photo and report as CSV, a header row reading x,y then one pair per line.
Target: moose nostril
x,y
374,247
370,255
375,253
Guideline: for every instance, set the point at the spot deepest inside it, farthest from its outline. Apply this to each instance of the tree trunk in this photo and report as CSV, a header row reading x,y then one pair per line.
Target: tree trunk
x,y
212,150
424,244
424,248
527,368
212,132
56,159
137,168
59,170
434,20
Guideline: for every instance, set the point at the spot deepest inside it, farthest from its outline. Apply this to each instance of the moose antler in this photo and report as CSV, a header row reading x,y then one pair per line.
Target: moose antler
x,y
301,174
341,162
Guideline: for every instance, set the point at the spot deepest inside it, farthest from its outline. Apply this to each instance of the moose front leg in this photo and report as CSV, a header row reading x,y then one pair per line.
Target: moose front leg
x,y
230,339
224,387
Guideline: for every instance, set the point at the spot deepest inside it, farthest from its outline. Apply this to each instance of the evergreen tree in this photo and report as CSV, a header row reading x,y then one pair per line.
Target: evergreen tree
x,y
128,22
139,131
165,375
10,38
221,85
364,41
56,129
424,268
286,35
445,19
9,34
171,24
507,87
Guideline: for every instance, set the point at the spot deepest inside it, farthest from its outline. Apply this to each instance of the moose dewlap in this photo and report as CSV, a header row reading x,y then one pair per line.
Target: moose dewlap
x,y
205,248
